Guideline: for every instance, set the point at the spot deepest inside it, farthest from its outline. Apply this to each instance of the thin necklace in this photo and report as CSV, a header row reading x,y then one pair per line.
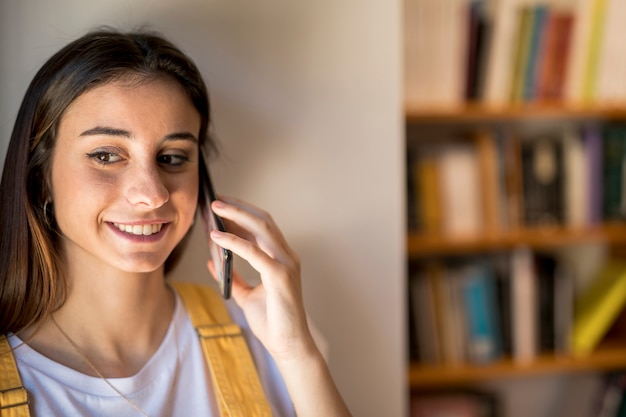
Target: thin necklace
x,y
93,367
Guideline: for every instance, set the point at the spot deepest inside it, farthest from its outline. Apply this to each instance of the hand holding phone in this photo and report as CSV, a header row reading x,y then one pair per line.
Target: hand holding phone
x,y
222,258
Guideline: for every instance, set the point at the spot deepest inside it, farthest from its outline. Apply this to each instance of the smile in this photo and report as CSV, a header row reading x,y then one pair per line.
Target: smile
x,y
139,229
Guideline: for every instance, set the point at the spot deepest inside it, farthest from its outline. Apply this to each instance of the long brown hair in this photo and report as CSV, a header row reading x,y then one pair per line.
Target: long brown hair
x,y
31,272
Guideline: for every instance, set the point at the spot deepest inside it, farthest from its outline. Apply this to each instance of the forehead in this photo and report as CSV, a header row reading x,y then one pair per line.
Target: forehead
x,y
156,103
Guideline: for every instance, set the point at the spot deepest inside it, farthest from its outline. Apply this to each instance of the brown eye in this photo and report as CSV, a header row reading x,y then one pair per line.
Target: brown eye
x,y
172,160
103,157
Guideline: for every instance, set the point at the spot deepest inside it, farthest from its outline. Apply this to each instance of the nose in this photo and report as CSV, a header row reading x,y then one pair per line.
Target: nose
x,y
146,187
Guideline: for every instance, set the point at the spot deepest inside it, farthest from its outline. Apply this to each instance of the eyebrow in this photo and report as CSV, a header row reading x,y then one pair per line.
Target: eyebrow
x,y
110,131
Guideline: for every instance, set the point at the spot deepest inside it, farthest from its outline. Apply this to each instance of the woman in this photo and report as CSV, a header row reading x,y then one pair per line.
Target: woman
x,y
100,187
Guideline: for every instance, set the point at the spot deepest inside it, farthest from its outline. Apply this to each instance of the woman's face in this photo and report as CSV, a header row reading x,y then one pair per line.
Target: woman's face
x,y
124,178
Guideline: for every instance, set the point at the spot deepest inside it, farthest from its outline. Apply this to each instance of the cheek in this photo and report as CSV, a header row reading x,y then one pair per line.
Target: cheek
x,y
184,193
74,191
82,183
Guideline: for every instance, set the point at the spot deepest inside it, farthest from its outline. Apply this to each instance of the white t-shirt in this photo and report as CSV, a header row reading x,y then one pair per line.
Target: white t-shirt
x,y
170,384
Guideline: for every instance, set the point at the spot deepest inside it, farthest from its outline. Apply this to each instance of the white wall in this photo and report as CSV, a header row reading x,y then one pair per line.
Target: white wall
x,y
307,103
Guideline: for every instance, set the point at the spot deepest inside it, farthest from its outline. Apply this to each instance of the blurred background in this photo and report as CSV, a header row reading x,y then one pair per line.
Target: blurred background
x,y
515,117
307,105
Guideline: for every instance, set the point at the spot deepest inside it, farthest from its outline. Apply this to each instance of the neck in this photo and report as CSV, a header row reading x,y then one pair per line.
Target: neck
x,y
117,320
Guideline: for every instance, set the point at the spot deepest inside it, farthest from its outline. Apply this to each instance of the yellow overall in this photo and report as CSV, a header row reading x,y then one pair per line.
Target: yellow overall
x,y
237,387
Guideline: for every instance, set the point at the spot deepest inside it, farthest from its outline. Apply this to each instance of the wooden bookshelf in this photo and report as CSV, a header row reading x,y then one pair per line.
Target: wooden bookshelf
x,y
539,238
530,111
437,376
422,245
549,92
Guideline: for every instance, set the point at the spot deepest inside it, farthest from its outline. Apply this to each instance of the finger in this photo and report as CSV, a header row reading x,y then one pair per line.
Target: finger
x,y
253,214
254,224
271,271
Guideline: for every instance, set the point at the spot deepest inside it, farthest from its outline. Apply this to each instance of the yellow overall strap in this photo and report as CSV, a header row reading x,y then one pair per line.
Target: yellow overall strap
x,y
13,395
237,385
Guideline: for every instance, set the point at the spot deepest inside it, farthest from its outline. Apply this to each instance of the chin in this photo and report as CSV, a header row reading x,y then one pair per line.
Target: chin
x,y
143,264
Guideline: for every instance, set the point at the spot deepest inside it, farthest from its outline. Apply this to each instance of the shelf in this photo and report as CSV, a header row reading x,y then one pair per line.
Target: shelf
x,y
431,376
423,245
481,112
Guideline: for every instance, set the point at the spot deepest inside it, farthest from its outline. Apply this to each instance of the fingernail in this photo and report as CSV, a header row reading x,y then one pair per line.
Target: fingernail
x,y
216,234
219,204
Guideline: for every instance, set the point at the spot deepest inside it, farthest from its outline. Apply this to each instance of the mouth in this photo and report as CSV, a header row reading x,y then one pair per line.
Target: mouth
x,y
139,229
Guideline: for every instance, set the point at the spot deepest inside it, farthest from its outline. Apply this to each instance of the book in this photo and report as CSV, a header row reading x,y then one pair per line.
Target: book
x,y
523,305
500,57
542,180
500,265
545,274
596,34
576,184
580,46
511,148
522,48
426,179
563,307
460,190
439,294
611,67
598,306
501,145
536,45
490,167
455,326
426,334
481,313
478,28
613,152
413,213
593,143
555,55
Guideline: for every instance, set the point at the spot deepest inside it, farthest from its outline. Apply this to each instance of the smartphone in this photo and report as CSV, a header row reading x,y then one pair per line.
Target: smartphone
x,y
222,258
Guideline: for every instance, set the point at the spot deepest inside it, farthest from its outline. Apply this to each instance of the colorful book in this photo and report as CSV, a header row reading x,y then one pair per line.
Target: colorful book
x,y
598,307
536,40
481,312
555,56
522,53
579,53
593,55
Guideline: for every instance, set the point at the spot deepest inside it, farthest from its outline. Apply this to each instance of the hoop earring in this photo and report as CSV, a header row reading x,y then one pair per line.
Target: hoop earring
x,y
47,213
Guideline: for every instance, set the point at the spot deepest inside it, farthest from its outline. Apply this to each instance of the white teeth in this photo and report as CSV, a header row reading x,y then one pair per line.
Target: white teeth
x,y
138,229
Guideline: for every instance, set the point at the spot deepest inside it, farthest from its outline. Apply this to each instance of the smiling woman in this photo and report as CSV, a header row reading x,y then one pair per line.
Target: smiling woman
x,y
126,160
102,181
